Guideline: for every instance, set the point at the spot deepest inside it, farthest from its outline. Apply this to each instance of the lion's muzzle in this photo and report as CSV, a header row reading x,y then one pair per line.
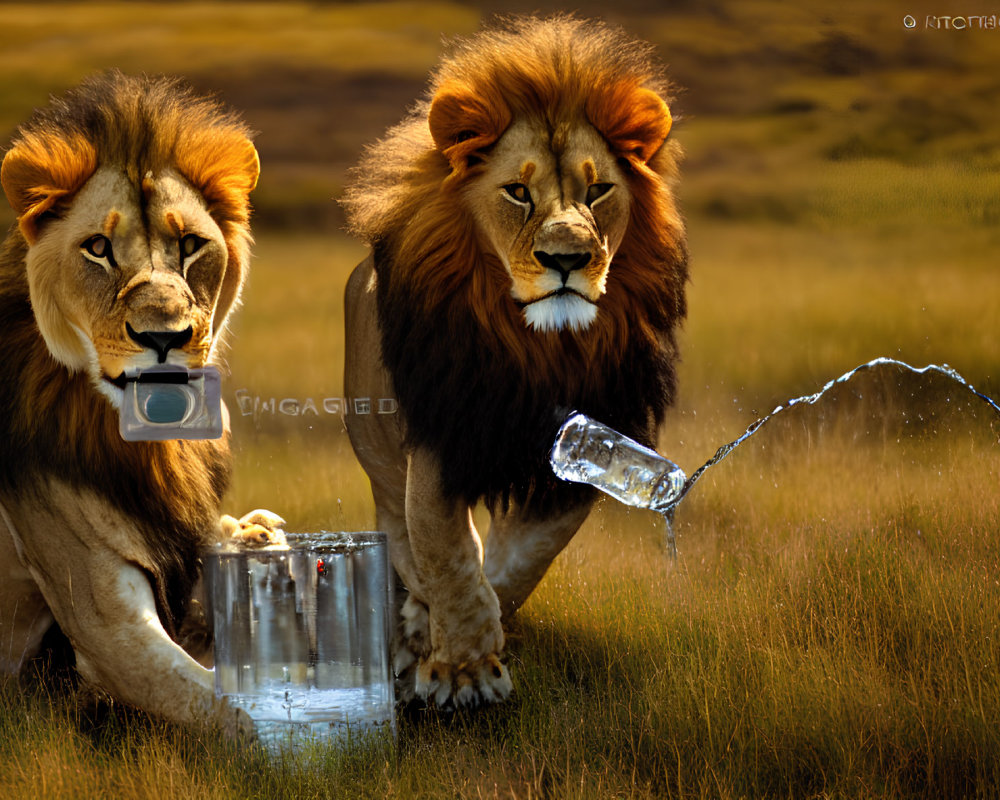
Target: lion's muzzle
x,y
563,263
160,341
161,314
572,254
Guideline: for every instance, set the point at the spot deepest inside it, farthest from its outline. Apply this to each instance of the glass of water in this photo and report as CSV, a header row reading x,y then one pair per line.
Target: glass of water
x,y
302,636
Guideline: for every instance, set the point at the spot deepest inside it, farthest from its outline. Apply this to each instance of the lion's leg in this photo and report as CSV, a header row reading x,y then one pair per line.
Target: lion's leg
x,y
24,614
466,638
104,603
520,547
385,463
377,439
412,640
24,620
390,517
122,648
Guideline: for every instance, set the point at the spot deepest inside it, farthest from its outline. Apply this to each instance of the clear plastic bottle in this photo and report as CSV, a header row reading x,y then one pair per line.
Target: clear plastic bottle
x,y
587,451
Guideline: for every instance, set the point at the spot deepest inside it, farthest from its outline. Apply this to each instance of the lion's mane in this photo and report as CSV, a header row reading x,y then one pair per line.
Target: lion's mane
x,y
53,423
474,383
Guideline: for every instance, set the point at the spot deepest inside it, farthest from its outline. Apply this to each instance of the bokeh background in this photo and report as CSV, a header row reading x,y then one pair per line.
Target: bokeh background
x,y
830,626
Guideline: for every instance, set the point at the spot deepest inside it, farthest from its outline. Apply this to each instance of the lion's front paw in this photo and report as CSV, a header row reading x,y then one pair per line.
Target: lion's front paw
x,y
467,685
260,528
427,677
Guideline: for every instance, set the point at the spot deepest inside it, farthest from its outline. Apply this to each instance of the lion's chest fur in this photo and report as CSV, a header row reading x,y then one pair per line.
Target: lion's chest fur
x,y
489,411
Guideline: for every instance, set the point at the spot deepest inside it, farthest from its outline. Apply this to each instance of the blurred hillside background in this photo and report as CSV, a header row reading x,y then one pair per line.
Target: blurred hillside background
x,y
774,101
841,185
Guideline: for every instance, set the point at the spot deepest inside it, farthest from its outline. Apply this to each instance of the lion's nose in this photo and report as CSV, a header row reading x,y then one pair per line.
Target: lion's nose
x,y
160,341
563,263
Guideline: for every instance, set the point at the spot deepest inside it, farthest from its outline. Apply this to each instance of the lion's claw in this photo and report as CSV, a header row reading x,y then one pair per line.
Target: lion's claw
x,y
468,685
422,677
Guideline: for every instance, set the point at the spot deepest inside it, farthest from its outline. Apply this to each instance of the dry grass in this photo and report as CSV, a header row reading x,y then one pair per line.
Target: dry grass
x,y
830,628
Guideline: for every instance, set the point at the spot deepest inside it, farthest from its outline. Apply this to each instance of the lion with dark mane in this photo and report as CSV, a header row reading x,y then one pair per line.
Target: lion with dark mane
x,y
130,249
527,259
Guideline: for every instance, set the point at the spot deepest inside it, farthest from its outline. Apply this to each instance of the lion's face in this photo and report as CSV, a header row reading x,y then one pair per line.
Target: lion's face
x,y
128,277
554,208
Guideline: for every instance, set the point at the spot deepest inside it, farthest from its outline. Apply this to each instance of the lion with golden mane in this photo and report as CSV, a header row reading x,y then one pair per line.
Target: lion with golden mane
x,y
527,259
130,249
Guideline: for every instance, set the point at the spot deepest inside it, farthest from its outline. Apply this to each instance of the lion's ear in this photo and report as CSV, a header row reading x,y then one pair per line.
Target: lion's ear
x,y
635,121
39,172
224,166
463,122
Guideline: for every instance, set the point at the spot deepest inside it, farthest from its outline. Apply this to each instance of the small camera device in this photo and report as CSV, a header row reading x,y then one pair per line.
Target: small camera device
x,y
170,402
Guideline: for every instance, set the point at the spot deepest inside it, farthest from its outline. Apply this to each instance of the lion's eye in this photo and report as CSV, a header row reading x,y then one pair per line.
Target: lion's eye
x,y
518,192
98,249
190,244
97,246
598,190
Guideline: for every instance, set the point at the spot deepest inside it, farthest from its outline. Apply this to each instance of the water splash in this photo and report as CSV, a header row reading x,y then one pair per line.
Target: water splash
x,y
586,451
812,399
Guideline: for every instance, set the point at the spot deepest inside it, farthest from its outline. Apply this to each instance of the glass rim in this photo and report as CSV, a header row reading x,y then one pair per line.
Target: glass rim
x,y
298,541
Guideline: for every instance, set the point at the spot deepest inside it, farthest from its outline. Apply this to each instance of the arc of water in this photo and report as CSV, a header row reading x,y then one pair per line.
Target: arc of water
x,y
811,399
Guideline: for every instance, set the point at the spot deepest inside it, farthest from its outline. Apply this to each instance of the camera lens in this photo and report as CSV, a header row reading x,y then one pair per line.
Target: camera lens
x,y
165,404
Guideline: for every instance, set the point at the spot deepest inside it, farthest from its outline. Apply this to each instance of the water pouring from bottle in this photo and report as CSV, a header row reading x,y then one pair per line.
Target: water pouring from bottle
x,y
587,451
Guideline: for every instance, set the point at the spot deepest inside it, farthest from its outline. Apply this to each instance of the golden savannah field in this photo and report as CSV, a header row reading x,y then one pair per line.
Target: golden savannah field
x,y
830,627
